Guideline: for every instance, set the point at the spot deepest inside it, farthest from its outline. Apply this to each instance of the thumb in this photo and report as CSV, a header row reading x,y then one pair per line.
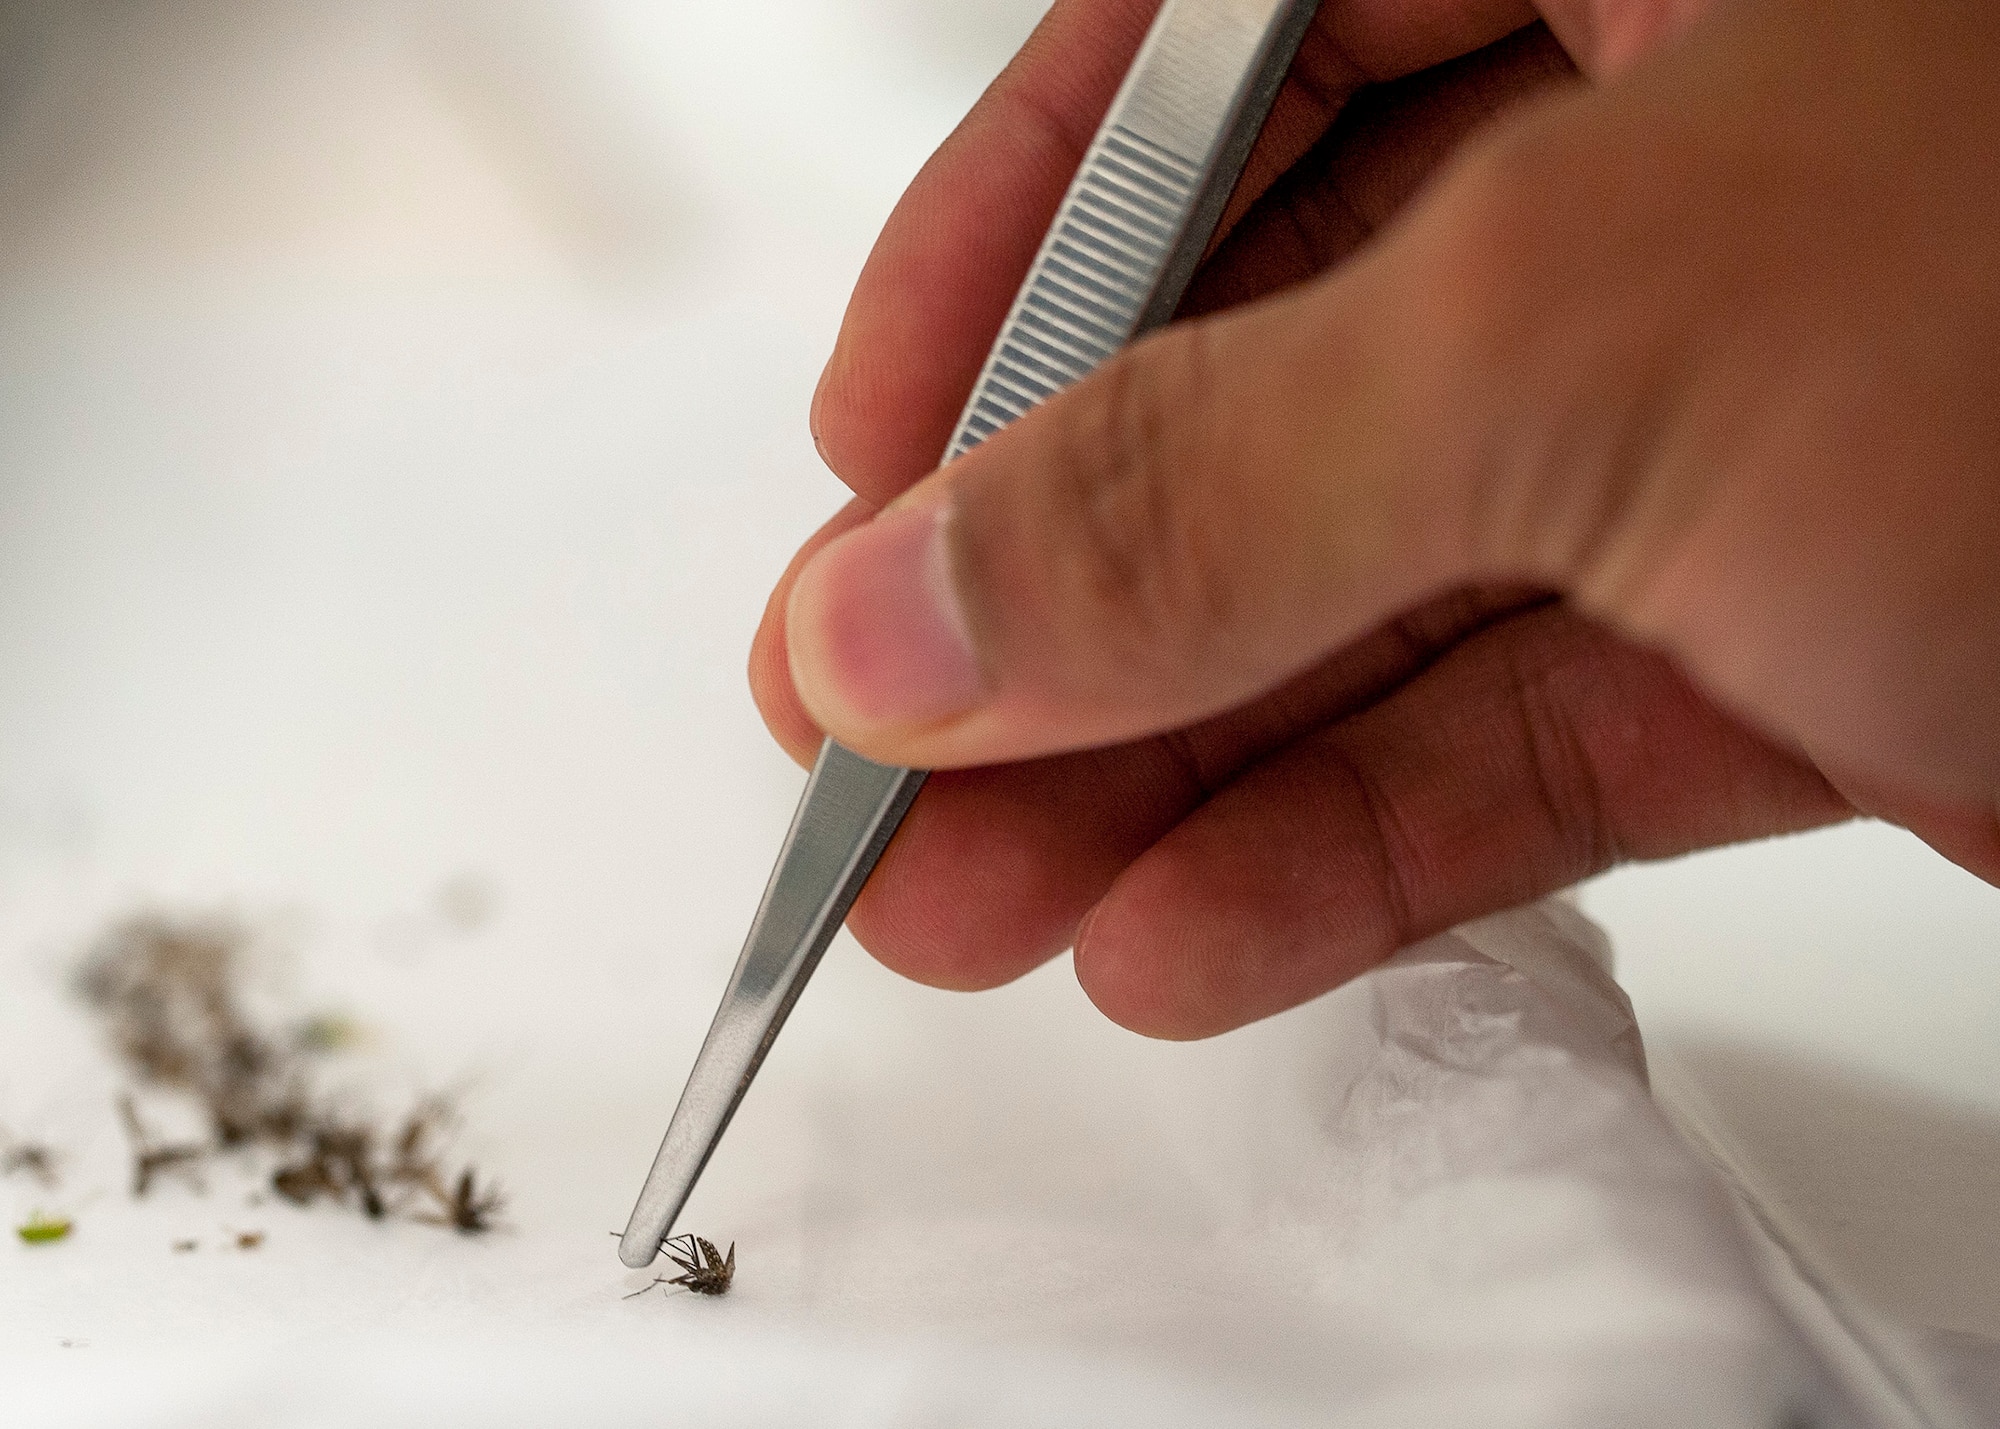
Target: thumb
x,y
1227,501
1607,37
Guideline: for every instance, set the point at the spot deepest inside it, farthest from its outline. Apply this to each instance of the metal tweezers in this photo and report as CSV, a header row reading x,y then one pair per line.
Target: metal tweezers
x,y
1124,244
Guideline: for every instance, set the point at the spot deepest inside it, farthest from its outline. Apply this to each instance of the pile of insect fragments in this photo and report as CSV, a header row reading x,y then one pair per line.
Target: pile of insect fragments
x,y
169,991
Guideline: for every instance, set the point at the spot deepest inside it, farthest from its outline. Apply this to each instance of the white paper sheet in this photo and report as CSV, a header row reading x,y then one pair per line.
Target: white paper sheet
x,y
1487,1221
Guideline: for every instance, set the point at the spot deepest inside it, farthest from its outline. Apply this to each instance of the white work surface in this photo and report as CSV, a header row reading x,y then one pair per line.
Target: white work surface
x,y
401,424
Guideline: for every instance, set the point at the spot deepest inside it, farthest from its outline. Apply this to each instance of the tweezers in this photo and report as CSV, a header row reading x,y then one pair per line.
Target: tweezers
x,y
1128,236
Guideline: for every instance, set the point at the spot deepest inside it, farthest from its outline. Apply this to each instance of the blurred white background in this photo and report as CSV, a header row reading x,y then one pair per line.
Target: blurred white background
x,y
401,424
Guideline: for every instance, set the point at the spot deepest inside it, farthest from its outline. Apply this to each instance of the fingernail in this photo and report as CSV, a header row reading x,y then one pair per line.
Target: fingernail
x,y
877,637
813,420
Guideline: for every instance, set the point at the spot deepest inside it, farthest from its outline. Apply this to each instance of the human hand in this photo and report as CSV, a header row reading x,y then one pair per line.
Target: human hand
x,y
1636,488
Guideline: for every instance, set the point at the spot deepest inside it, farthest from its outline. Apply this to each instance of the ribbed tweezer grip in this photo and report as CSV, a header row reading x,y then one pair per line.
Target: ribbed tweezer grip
x,y
1083,298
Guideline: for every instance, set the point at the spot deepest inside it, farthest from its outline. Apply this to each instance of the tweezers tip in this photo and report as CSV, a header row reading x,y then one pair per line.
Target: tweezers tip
x,y
636,1251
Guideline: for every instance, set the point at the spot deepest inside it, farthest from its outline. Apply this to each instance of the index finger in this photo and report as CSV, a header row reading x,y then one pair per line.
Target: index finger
x,y
939,281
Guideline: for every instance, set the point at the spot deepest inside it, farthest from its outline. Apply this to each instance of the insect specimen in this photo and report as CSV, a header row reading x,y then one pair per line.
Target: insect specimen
x,y
304,1183
703,1269
31,1159
415,1163
349,1151
182,1247
43,1230
167,989
466,1208
249,1240
340,1162
150,1160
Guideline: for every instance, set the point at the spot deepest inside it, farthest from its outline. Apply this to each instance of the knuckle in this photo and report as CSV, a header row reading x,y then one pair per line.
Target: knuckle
x,y
1562,777
1489,258
1544,341
1470,317
1138,484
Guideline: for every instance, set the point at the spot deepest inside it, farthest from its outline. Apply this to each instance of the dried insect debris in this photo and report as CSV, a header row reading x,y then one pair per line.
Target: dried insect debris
x,y
328,1032
44,1230
467,1207
27,1158
167,989
703,1269
150,1159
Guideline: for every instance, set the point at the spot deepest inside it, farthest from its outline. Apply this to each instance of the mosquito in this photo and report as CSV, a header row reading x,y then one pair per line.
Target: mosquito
x,y
150,1160
467,1208
704,1270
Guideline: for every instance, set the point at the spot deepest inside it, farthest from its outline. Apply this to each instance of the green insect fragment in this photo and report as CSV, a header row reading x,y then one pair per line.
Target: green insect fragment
x,y
325,1032
43,1230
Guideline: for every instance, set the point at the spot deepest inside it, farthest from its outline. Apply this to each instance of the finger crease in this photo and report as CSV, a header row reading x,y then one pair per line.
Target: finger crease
x,y
1424,644
1180,746
1562,771
1315,216
1052,130
1322,50
1394,848
1344,52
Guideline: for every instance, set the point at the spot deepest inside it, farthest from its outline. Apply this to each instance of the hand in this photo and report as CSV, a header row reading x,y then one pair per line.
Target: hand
x,y
1567,470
